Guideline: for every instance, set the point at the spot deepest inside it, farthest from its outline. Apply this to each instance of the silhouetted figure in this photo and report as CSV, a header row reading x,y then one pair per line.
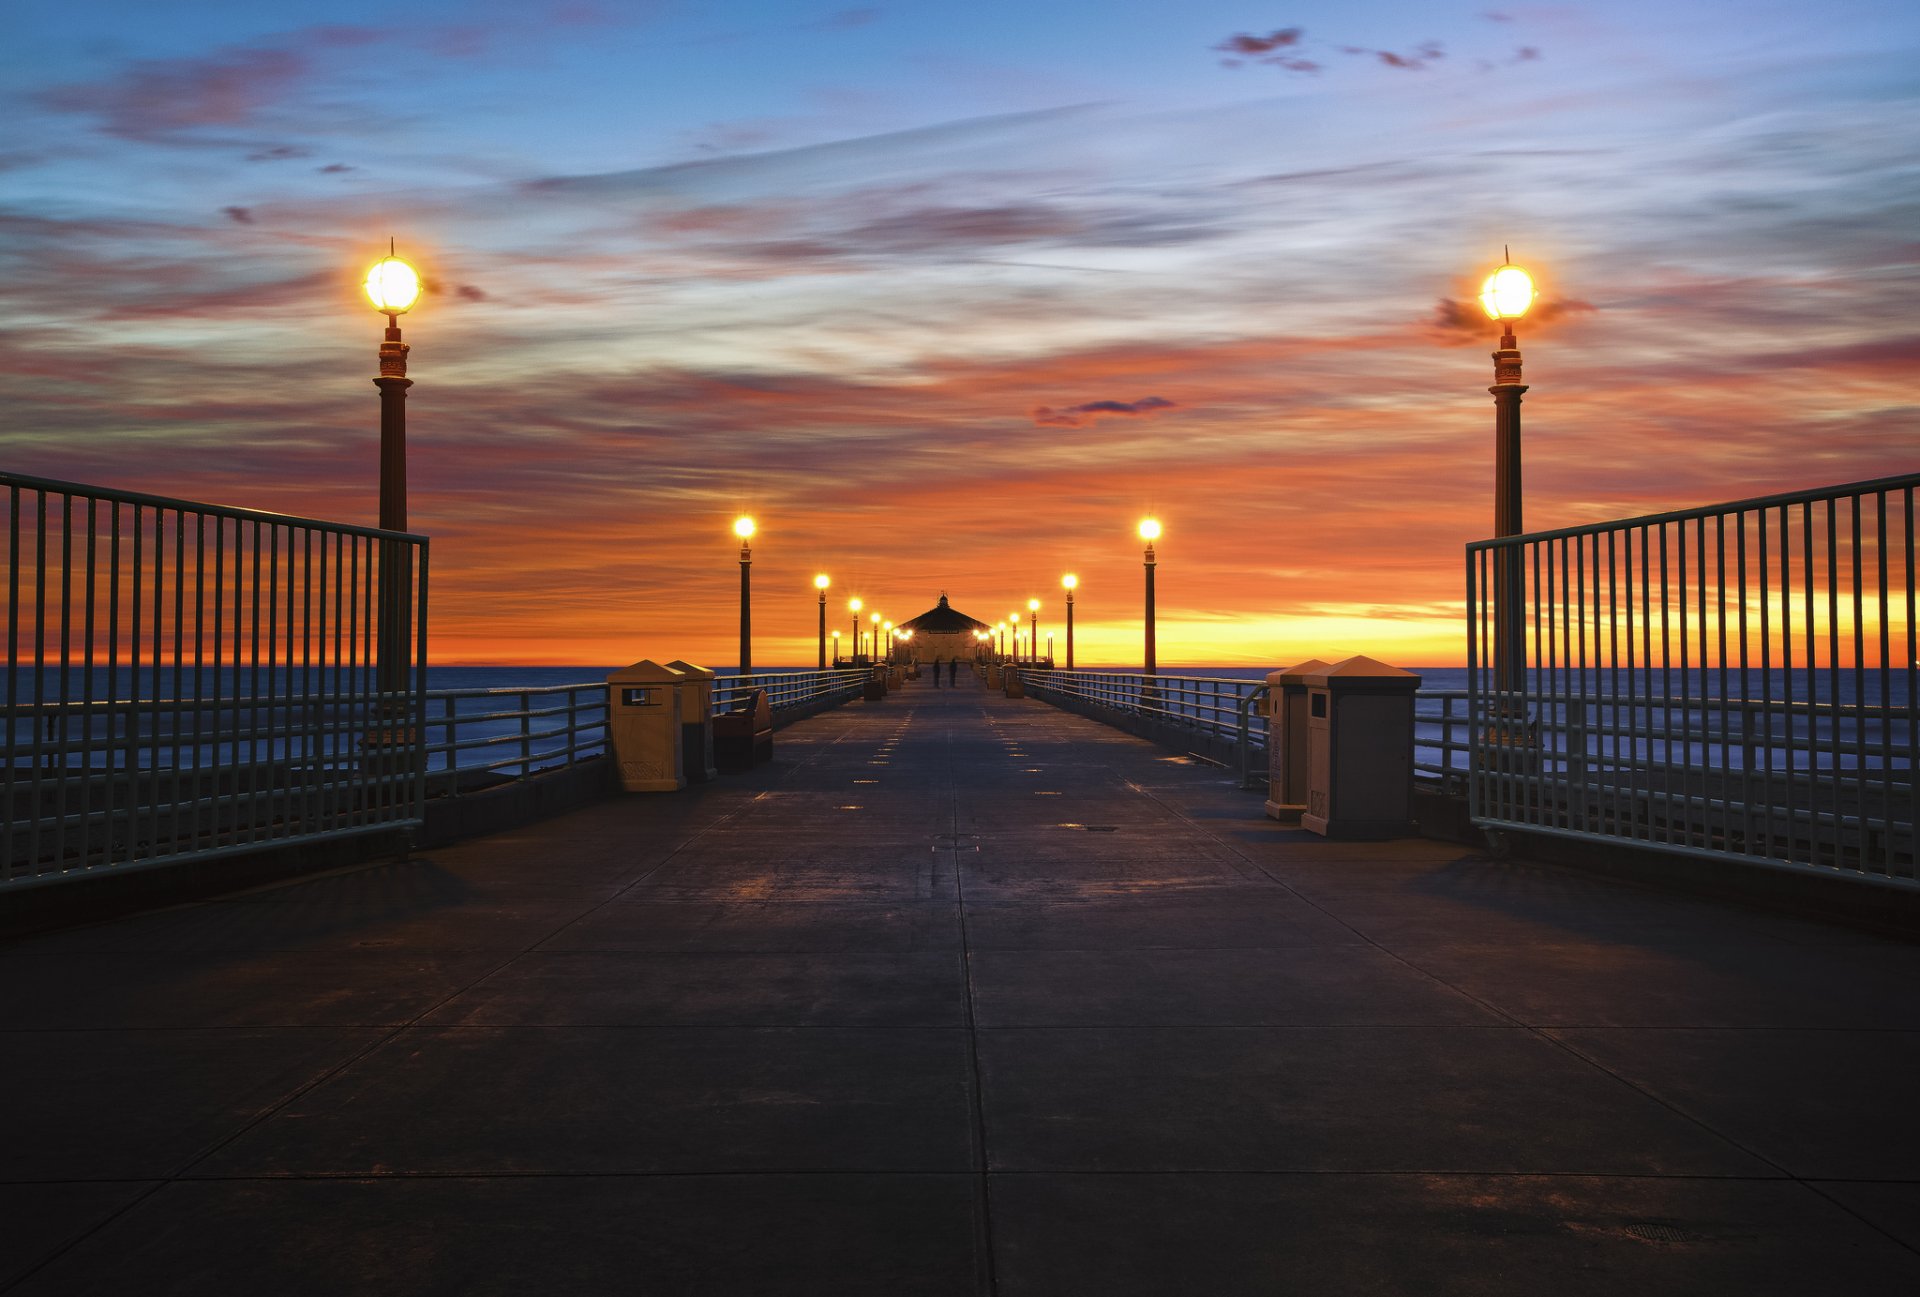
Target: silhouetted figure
x,y
953,669
936,673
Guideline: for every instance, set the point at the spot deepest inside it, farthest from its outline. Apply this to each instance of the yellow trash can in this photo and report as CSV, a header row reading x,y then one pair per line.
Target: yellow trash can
x,y
643,720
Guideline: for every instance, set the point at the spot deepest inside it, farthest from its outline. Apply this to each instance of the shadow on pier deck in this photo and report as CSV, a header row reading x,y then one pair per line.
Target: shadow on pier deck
x,y
961,995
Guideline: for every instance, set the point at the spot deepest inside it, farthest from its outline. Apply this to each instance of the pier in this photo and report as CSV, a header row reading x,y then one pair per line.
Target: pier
x,y
959,994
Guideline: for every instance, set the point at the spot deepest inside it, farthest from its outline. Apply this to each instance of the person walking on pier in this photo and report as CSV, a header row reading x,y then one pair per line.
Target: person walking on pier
x,y
953,669
936,673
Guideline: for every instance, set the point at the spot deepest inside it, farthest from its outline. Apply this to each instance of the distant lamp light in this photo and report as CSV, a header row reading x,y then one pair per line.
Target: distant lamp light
x,y
1033,605
822,581
393,286
1070,581
1507,293
743,527
1149,529
1014,617
854,605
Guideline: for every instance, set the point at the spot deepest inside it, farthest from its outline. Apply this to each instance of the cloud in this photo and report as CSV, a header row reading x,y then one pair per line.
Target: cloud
x,y
239,215
1243,43
843,20
1425,53
334,169
280,153
1075,416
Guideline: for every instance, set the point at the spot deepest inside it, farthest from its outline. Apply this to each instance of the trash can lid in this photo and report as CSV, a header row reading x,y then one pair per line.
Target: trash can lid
x,y
645,672
1294,674
1364,672
689,669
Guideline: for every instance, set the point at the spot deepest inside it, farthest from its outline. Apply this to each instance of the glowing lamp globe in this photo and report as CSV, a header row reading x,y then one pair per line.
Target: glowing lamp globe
x,y
1033,605
1014,617
1507,293
743,527
1149,529
393,286
822,581
874,618
853,605
1070,581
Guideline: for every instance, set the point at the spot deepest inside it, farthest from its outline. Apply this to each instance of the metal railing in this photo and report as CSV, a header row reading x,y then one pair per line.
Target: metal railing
x,y
1735,681
477,738
185,680
1223,709
787,690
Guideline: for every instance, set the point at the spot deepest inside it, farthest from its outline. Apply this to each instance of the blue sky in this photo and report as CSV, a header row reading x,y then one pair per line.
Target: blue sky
x,y
847,266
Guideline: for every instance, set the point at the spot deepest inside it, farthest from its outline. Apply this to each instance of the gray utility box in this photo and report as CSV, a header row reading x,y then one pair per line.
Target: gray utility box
x,y
1287,740
696,722
643,720
1360,750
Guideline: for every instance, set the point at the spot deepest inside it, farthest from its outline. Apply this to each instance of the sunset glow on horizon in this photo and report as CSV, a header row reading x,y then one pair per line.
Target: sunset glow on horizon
x,y
951,302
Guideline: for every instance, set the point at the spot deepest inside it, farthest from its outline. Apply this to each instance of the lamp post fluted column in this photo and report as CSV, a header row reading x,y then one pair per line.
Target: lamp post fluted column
x,y
1505,296
1071,582
1033,632
821,583
393,286
1150,532
743,528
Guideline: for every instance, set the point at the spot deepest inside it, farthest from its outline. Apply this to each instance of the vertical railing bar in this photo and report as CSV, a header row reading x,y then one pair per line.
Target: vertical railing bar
x,y
1533,785
279,688
1585,798
1666,696
1746,687
360,797
13,817
158,769
1813,682
57,716
1707,793
417,754
1787,690
1643,686
109,792
1726,728
88,787
1563,689
1613,676
1912,658
253,683
1686,685
309,787
1766,686
1833,679
194,808
1859,692
37,814
223,776
1885,708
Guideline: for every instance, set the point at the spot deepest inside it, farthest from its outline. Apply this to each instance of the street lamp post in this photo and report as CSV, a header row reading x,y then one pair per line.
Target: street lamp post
x,y
873,637
1000,650
887,626
1150,532
1072,583
1014,617
836,648
1505,296
393,286
1033,629
854,606
743,528
821,583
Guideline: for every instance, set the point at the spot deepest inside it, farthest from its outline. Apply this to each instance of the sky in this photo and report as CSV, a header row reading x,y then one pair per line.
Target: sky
x,y
949,296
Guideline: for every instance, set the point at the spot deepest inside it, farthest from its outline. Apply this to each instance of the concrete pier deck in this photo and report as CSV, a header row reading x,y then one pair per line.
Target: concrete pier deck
x,y
961,995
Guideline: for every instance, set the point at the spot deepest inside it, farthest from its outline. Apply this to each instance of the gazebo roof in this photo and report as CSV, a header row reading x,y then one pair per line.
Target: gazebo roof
x,y
943,619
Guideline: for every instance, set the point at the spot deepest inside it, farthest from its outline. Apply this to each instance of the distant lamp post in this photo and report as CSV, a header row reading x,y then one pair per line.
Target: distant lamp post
x,y
873,636
1150,532
836,648
887,626
1071,583
1001,650
821,583
854,606
1014,617
1033,629
393,286
1506,295
743,528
